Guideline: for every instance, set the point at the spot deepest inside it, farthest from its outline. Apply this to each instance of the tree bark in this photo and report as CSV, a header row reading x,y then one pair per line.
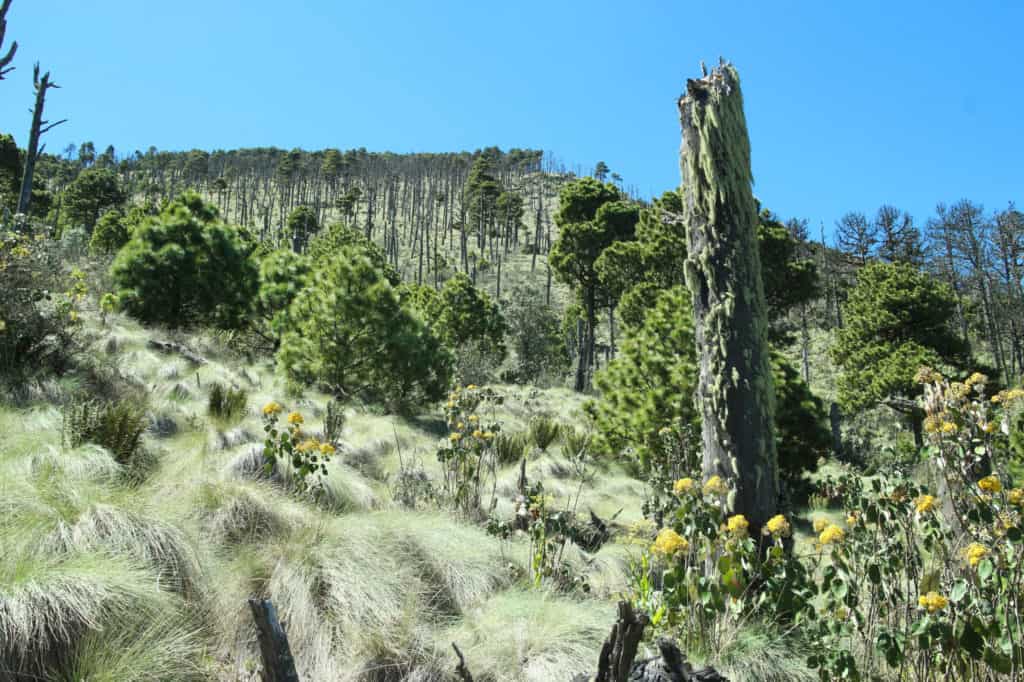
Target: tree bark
x,y
723,273
278,664
39,127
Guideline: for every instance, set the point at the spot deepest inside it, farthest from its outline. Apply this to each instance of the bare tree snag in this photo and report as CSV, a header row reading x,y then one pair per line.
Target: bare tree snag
x,y
723,273
278,664
461,670
619,650
39,128
5,61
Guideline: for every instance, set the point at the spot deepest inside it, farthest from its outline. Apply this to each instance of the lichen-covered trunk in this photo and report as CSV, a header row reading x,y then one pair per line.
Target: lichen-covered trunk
x,y
723,273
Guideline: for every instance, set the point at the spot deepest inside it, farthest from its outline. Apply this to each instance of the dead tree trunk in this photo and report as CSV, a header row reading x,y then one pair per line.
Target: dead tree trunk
x,y
39,128
9,57
723,272
278,664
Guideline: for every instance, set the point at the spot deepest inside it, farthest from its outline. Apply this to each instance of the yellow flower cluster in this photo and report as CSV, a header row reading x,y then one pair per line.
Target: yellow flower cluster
x,y
1015,496
778,526
669,542
832,534
990,484
737,525
958,390
852,518
975,552
683,485
1009,396
455,437
296,419
926,375
716,486
924,503
933,601
819,524
977,379
272,409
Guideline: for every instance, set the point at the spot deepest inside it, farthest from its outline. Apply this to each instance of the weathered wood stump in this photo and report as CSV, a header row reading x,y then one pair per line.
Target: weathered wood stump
x,y
278,663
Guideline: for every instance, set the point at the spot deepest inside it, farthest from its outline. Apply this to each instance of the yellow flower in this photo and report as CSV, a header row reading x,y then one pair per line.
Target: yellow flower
x,y
295,419
451,404
778,526
473,418
326,449
1013,394
852,518
669,542
990,484
975,552
990,427
820,523
478,434
683,485
460,426
307,445
664,431
976,378
272,409
716,486
471,387
488,435
925,503
931,424
948,427
831,534
738,524
1015,496
73,315
455,437
933,601
959,390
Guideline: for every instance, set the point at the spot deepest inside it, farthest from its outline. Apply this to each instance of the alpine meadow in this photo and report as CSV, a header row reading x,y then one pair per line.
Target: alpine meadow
x,y
330,414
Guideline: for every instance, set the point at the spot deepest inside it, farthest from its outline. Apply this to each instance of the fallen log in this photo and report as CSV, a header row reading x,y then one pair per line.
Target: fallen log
x,y
170,347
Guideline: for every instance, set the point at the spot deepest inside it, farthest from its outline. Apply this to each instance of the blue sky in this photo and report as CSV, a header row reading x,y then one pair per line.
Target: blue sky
x,y
849,104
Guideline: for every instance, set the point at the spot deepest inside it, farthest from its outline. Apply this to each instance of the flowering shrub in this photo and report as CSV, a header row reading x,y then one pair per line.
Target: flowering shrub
x,y
467,454
307,455
914,584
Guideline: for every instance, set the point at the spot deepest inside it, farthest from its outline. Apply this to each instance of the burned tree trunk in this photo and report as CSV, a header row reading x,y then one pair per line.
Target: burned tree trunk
x,y
39,127
723,273
278,663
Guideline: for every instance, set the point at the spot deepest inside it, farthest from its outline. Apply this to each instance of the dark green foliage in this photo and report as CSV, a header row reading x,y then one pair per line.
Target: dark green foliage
x,y
652,381
115,228
186,266
117,426
283,274
302,225
802,432
650,387
535,332
544,430
90,194
897,320
330,242
10,172
348,332
576,444
1017,435
481,194
226,402
461,314
789,280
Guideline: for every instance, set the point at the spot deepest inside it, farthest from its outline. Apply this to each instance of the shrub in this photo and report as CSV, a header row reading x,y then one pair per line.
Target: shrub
x,y
185,266
283,274
349,333
225,402
37,323
510,448
117,426
544,431
576,443
535,331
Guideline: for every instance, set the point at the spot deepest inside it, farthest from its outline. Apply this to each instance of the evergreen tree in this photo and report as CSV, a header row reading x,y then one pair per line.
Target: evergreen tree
x,y
857,236
90,194
897,320
186,266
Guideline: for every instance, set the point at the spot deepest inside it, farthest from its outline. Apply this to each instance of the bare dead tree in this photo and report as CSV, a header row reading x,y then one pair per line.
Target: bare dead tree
x,y
39,128
5,61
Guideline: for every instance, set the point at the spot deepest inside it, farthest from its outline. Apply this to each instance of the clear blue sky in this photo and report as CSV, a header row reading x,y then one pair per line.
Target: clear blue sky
x,y
907,103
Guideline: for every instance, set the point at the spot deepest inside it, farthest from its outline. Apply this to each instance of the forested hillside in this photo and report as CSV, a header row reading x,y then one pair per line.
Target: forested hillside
x,y
321,415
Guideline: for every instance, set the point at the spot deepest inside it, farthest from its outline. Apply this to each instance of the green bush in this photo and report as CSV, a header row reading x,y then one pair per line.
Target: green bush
x,y
349,333
225,402
117,426
510,448
283,274
186,266
576,444
535,332
334,422
463,316
544,431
